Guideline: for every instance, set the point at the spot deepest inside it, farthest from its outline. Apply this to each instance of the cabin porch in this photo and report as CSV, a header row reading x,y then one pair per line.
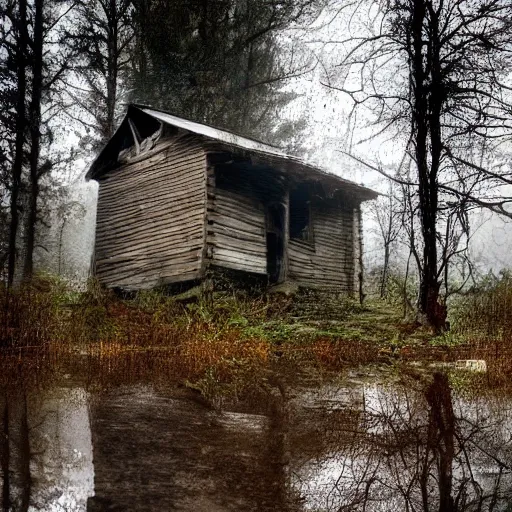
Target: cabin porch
x,y
262,221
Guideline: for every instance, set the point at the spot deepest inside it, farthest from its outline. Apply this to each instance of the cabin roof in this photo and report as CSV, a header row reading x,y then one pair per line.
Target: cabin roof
x,y
230,141
210,132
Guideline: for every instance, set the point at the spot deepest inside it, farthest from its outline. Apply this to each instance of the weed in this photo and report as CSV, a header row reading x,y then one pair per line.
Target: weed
x,y
448,339
486,310
228,345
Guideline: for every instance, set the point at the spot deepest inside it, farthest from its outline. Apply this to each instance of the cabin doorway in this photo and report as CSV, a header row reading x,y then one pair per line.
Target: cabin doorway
x,y
275,242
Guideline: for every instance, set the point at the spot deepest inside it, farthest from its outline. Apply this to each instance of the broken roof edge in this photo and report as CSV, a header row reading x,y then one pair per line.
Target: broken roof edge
x,y
94,168
210,131
230,139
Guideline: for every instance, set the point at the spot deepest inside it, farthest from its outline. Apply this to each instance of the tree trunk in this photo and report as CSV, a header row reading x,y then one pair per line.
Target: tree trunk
x,y
385,271
428,303
435,311
441,437
4,458
112,60
35,136
21,123
24,450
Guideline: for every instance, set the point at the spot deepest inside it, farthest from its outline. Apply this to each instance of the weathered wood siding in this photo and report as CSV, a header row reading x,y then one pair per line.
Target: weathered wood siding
x,y
329,260
151,217
236,228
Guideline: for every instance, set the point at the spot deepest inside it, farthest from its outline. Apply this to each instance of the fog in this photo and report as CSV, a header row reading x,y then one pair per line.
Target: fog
x,y
67,248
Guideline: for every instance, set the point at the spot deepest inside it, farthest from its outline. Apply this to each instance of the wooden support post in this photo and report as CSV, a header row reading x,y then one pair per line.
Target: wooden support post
x,y
361,267
207,287
286,234
357,253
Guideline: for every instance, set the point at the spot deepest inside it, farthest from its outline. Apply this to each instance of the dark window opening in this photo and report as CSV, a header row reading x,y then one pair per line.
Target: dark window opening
x,y
274,256
275,246
300,213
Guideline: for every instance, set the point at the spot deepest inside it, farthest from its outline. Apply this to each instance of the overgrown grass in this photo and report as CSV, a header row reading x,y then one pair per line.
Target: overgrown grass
x,y
481,327
233,344
485,312
228,345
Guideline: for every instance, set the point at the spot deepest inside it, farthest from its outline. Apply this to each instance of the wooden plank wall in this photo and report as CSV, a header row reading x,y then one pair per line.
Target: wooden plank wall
x,y
151,217
236,232
327,262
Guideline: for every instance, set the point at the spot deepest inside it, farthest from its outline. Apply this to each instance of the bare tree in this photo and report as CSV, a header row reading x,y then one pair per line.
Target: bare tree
x,y
50,60
434,74
34,117
387,211
34,61
418,447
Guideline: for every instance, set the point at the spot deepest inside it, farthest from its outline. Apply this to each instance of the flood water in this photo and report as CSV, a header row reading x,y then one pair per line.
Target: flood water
x,y
360,443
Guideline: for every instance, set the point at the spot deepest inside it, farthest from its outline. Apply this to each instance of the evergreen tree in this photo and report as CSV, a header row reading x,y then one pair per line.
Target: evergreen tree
x,y
33,62
101,36
222,63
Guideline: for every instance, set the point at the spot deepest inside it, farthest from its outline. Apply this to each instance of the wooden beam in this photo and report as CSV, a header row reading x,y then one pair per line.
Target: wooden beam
x,y
135,135
283,274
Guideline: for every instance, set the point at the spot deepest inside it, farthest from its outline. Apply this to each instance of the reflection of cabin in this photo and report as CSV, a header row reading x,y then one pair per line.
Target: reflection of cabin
x,y
177,198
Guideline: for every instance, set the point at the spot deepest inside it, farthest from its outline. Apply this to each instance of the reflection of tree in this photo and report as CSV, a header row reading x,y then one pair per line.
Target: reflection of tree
x,y
419,450
440,446
5,457
15,454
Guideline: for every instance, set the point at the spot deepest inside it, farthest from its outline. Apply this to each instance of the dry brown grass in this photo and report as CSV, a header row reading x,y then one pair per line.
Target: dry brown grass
x,y
46,332
482,319
334,354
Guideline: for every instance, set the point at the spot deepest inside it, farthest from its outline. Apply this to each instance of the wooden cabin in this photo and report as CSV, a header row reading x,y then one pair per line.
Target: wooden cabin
x,y
179,199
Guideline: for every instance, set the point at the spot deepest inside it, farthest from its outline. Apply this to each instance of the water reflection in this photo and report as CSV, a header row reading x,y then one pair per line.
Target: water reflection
x,y
46,451
136,448
179,455
413,445
62,453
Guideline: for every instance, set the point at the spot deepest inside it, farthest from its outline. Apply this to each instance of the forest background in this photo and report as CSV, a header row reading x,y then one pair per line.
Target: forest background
x,y
410,97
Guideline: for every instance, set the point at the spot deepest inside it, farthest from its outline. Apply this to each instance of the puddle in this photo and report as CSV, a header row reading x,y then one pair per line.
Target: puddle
x,y
357,445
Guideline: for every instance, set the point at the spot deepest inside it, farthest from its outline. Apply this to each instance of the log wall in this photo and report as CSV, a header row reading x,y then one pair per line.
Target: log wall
x,y
151,217
236,232
329,260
